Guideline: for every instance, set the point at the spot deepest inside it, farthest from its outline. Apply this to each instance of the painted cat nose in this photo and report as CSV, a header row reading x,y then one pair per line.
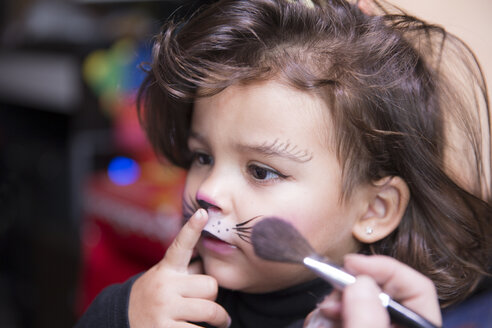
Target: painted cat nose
x,y
204,204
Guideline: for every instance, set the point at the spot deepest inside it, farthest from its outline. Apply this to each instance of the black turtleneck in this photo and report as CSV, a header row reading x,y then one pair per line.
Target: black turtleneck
x,y
283,309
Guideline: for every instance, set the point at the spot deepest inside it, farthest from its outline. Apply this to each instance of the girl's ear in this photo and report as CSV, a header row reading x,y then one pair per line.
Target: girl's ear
x,y
386,205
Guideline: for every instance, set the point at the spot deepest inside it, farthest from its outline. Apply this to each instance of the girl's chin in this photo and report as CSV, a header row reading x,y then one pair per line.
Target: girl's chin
x,y
247,279
228,275
232,276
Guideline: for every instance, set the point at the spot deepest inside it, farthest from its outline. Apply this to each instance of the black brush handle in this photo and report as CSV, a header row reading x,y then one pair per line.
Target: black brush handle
x,y
406,317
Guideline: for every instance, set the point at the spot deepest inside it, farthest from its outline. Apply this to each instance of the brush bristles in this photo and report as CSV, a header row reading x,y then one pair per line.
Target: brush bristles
x,y
277,240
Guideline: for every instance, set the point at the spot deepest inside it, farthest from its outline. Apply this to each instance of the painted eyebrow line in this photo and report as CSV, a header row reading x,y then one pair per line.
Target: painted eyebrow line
x,y
275,148
282,149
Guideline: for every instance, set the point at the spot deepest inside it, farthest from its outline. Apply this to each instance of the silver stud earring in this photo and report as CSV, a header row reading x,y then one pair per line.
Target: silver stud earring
x,y
369,230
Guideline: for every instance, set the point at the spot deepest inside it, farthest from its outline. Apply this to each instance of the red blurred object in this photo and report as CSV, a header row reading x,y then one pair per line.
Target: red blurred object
x,y
126,229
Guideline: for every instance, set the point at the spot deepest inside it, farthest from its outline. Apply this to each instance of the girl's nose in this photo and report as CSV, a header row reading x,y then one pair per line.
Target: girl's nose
x,y
213,192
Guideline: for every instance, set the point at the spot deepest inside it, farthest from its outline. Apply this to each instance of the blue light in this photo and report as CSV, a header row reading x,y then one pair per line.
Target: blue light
x,y
123,171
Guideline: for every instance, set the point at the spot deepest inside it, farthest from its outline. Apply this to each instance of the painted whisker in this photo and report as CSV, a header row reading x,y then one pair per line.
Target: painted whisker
x,y
243,231
190,206
247,221
246,238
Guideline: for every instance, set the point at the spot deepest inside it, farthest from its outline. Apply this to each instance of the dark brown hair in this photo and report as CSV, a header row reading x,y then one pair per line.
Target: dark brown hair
x,y
407,99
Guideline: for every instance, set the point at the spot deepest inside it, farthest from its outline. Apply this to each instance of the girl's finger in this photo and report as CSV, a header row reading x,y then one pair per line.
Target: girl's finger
x,y
196,267
200,310
199,286
179,253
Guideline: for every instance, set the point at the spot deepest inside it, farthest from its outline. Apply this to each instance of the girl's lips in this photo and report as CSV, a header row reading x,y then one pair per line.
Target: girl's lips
x,y
216,245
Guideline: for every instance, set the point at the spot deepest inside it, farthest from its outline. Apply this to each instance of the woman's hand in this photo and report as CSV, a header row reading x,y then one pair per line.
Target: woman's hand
x,y
170,293
359,304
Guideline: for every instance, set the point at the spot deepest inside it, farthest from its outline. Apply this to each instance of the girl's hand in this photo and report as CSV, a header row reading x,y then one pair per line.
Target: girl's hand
x,y
359,304
169,294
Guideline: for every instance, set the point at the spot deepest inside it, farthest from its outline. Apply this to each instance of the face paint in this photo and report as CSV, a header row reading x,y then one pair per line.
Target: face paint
x,y
270,157
226,230
219,226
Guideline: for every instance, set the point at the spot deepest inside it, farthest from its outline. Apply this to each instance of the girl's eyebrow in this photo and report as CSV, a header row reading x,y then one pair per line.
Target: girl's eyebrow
x,y
197,136
273,148
280,148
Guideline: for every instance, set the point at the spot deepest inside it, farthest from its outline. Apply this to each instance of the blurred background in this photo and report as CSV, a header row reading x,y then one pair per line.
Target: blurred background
x,y
83,201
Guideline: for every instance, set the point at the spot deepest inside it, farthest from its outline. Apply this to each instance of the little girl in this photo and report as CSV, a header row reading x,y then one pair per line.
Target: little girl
x,y
369,133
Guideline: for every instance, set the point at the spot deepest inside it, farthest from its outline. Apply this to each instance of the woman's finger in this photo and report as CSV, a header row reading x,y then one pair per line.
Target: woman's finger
x,y
331,306
361,306
401,282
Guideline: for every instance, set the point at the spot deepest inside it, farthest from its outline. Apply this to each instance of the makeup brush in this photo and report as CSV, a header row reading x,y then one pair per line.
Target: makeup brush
x,y
276,240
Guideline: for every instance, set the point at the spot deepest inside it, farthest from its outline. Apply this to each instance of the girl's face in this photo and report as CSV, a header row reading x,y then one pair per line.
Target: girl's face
x,y
263,150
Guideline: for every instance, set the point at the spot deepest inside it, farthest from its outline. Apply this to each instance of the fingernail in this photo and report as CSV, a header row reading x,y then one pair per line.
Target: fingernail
x,y
229,321
199,214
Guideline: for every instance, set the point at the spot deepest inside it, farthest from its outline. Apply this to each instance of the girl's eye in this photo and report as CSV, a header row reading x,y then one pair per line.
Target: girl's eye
x,y
263,173
202,158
